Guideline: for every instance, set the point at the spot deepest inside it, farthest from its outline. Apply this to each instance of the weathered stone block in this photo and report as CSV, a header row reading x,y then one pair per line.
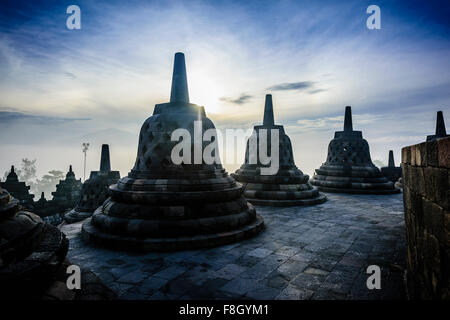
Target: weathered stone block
x,y
433,219
442,187
406,155
426,198
432,154
436,185
444,152
421,154
413,155
447,228
433,262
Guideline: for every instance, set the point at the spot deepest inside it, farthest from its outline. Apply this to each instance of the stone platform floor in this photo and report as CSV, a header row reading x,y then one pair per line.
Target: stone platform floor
x,y
316,252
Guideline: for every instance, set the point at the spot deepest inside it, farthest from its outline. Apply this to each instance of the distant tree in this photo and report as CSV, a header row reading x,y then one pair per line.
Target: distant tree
x,y
48,182
28,169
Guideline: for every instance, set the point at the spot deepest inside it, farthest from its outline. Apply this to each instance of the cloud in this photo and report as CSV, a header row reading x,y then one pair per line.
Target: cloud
x,y
70,75
9,115
299,86
316,91
326,123
243,99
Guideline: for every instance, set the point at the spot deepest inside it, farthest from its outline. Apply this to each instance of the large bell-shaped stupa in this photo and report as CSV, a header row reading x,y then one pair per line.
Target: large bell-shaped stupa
x,y
349,168
288,186
95,190
161,205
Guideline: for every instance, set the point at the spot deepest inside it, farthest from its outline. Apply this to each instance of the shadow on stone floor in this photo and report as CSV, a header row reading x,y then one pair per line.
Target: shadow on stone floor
x,y
316,252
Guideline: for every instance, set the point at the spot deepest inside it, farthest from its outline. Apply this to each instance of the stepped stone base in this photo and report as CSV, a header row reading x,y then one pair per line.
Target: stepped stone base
x,y
126,243
359,191
286,203
354,180
75,216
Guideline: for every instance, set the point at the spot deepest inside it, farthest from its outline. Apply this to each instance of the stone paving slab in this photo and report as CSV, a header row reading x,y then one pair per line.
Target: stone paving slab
x,y
317,252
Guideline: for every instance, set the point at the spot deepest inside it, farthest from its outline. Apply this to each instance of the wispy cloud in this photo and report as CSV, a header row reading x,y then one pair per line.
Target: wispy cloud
x,y
316,91
70,75
327,123
242,99
299,86
10,116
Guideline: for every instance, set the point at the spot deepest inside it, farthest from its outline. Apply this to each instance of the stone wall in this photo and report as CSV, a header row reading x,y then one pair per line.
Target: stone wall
x,y
426,168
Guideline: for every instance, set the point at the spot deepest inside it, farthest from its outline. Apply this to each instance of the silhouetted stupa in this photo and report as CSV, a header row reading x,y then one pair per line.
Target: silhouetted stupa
x,y
95,190
19,190
67,191
392,172
165,206
440,128
31,251
349,168
289,186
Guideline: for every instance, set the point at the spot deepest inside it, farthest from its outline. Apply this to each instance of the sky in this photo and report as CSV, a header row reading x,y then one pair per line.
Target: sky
x,y
60,87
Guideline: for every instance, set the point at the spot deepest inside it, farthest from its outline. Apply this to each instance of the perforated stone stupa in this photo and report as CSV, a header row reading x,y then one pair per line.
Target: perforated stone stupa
x,y
289,186
31,251
165,206
349,168
95,190
67,191
440,128
19,190
392,172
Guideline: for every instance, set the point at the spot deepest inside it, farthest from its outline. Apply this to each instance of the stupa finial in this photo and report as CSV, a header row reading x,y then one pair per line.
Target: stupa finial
x,y
105,164
179,91
12,169
391,159
70,168
440,125
348,124
42,196
268,111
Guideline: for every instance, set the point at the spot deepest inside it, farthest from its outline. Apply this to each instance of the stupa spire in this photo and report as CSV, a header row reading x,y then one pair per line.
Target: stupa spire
x,y
268,111
12,169
440,125
391,162
179,91
348,124
105,164
70,168
440,128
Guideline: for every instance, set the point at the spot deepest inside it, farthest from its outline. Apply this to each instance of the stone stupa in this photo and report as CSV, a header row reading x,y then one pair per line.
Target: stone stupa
x,y
349,168
42,207
164,206
19,190
440,128
67,191
289,186
392,172
31,251
95,190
